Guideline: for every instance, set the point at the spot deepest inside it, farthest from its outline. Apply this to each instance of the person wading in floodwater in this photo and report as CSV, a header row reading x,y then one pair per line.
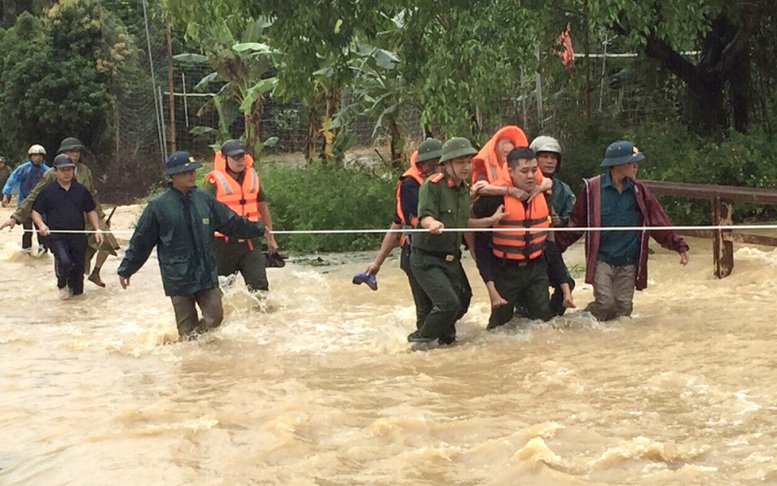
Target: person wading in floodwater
x,y
616,261
64,203
180,222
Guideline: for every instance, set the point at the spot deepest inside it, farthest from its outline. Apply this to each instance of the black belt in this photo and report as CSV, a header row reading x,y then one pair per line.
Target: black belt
x,y
448,257
506,262
229,239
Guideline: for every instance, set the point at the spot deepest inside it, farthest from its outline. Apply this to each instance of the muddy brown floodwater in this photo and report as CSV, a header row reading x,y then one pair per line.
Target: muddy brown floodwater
x,y
316,384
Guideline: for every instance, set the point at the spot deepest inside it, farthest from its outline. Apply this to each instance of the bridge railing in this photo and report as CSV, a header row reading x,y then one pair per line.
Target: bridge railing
x,y
722,199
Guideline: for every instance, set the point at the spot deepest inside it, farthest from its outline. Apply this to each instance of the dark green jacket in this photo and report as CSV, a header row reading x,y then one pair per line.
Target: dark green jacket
x,y
181,226
448,203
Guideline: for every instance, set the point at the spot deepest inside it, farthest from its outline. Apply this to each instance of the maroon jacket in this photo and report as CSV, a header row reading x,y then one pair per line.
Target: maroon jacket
x,y
587,213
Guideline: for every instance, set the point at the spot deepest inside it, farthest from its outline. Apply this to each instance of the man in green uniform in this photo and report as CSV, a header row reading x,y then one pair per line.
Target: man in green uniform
x,y
444,202
72,147
180,222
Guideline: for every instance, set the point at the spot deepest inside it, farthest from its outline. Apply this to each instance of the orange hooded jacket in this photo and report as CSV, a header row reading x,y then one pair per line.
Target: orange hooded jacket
x,y
486,160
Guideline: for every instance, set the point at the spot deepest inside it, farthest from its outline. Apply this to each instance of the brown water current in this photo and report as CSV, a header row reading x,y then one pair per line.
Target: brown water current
x,y
316,384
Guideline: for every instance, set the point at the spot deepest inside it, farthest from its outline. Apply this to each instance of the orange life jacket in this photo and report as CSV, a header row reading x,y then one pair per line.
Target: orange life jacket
x,y
419,178
487,161
522,245
241,198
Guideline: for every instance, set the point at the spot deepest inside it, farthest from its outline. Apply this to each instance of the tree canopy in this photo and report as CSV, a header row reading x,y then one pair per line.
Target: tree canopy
x,y
461,67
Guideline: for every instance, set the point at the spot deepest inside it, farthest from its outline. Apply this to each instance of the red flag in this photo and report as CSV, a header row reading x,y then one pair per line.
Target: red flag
x,y
568,54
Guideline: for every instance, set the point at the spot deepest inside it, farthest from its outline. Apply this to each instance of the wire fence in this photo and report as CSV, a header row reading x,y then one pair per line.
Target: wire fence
x,y
143,115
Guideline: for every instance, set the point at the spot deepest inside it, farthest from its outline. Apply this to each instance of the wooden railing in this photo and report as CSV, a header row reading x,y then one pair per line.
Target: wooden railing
x,y
722,199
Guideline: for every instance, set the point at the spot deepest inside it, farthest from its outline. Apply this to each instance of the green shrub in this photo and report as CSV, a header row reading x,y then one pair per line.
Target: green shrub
x,y
323,197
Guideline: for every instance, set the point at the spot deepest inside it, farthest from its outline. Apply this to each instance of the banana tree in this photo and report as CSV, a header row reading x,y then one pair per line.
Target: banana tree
x,y
383,93
244,66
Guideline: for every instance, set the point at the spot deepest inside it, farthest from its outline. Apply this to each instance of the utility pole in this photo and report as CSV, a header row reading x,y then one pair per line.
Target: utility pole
x,y
170,88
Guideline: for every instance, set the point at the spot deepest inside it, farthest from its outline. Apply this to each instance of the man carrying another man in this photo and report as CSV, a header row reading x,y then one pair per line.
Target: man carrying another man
x,y
514,264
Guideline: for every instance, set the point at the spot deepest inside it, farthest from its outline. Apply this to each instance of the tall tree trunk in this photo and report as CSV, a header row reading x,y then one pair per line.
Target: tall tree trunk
x,y
252,119
740,86
397,144
703,107
724,67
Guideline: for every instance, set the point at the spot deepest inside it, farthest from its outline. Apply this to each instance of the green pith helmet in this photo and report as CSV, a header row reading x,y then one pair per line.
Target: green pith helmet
x,y
431,148
179,162
70,143
621,152
456,147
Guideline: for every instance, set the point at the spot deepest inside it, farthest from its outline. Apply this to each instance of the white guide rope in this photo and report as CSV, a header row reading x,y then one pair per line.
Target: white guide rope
x,y
480,230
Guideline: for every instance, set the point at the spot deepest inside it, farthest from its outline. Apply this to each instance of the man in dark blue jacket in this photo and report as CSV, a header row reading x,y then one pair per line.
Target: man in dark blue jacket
x,y
180,222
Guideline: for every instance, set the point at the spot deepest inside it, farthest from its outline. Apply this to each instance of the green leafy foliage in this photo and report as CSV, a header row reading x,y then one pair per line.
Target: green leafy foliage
x,y
58,73
323,197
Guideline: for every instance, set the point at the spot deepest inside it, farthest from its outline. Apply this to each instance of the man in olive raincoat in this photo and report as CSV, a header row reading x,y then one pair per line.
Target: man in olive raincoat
x,y
180,222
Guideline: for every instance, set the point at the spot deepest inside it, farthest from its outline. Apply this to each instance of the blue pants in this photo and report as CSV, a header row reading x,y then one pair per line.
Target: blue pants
x,y
69,257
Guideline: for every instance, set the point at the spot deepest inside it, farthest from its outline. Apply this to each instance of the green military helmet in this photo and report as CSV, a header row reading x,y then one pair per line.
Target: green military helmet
x,y
621,152
431,148
70,143
180,161
456,147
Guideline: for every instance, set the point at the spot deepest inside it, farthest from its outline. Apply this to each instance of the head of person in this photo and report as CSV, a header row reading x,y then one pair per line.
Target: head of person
x,y
456,155
522,162
621,158
429,153
2,161
548,152
235,154
180,167
36,154
503,147
72,147
64,168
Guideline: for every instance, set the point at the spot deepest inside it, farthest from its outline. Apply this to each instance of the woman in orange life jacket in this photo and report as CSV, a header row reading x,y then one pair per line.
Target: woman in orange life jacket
x,y
423,163
513,264
490,173
234,182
